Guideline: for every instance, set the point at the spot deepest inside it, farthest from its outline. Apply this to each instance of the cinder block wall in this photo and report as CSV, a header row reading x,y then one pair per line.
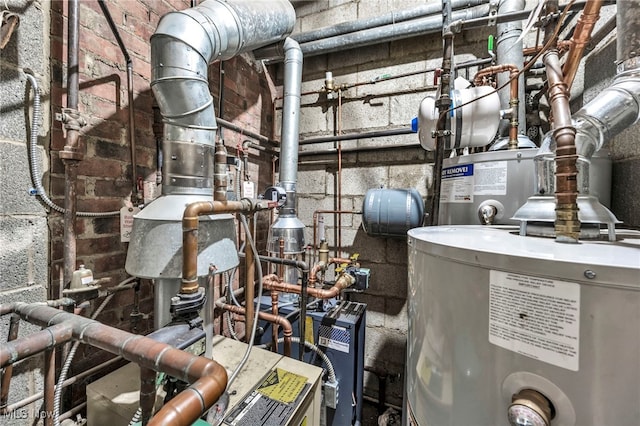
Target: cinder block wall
x,y
23,220
392,104
391,162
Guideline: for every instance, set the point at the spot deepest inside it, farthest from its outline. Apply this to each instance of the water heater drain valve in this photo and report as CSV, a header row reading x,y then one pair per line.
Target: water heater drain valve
x,y
529,408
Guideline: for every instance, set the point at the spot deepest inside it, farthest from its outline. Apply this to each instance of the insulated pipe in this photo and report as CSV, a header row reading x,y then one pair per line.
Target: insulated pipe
x,y
580,39
513,96
208,378
182,47
272,282
287,329
417,27
509,51
389,18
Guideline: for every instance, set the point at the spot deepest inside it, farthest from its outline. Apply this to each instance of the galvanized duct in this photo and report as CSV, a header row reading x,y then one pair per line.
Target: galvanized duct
x,y
288,226
183,46
616,108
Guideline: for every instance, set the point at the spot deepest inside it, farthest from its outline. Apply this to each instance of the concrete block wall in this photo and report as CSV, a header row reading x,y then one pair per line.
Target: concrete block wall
x,y
24,233
390,162
391,104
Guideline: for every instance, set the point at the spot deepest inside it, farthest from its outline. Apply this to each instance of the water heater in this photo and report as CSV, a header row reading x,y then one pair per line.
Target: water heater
x,y
505,329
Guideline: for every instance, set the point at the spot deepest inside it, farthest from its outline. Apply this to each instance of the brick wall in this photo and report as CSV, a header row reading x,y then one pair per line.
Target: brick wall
x,y
104,181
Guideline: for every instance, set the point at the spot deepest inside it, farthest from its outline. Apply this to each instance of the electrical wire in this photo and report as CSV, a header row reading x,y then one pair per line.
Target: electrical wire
x,y
327,362
35,168
252,337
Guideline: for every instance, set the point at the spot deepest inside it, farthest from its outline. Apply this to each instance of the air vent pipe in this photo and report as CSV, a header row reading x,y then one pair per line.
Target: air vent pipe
x,y
183,46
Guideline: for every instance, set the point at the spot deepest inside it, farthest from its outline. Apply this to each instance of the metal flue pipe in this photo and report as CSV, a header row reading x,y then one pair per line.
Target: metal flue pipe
x,y
509,51
182,47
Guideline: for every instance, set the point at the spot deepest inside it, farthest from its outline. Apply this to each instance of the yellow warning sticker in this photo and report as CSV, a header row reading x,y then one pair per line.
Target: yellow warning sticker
x,y
308,331
304,421
282,385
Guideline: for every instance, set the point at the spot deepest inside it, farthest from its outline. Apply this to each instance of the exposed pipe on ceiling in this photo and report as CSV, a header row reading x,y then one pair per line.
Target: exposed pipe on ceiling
x,y
417,27
378,21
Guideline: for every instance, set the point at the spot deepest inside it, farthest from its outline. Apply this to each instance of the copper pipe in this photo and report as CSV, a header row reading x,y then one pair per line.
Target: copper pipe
x,y
49,385
315,224
320,266
208,378
272,282
563,46
35,343
190,219
513,96
147,394
287,329
220,172
7,372
580,39
567,224
249,288
71,380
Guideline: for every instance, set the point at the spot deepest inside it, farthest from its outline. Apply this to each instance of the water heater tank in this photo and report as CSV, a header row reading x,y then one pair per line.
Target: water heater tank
x,y
500,324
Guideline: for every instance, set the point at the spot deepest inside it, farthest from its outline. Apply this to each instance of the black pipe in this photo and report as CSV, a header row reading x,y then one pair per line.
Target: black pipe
x,y
228,125
354,136
356,149
443,103
132,130
73,46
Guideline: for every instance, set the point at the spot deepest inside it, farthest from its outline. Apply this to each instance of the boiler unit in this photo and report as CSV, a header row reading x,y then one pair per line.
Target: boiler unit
x,y
506,329
339,333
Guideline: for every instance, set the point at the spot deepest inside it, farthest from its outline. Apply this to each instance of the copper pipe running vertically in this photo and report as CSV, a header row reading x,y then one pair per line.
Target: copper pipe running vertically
x,y
315,224
567,224
208,378
49,385
513,96
249,287
580,39
287,329
7,372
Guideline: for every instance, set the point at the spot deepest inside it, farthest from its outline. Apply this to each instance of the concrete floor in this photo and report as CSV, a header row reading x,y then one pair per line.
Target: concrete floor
x,y
370,416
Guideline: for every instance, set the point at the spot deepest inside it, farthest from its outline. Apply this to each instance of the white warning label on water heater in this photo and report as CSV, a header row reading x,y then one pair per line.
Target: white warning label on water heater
x,y
536,317
490,178
457,184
